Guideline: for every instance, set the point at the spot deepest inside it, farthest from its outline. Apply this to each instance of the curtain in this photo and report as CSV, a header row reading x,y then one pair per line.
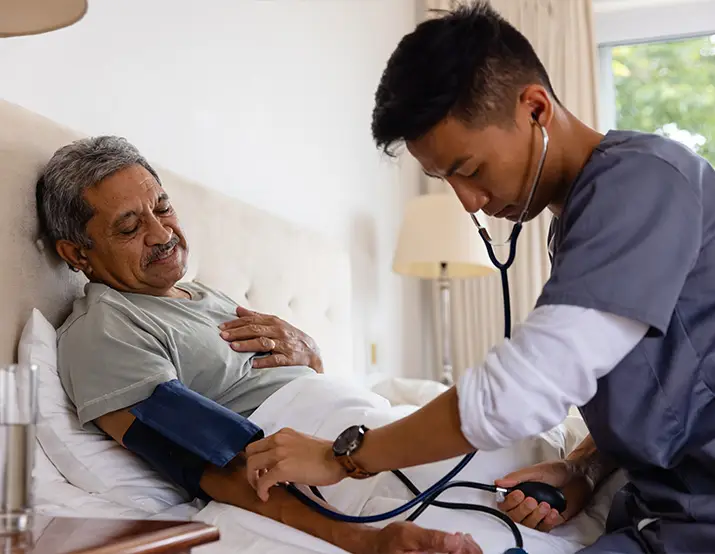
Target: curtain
x,y
562,34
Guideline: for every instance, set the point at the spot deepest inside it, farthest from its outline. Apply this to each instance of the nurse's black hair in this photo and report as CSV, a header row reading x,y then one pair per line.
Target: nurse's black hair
x,y
468,62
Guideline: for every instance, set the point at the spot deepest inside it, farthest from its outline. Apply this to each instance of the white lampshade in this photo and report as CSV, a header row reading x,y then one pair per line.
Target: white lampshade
x,y
31,17
435,230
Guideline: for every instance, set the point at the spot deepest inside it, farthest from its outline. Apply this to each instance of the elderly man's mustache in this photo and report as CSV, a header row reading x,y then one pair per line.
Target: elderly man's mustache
x,y
159,251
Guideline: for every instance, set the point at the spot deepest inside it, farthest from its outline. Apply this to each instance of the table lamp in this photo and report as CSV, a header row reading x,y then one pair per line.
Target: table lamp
x,y
438,241
32,17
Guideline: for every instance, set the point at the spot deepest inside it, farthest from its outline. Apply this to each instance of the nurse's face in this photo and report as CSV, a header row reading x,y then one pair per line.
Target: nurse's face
x,y
490,168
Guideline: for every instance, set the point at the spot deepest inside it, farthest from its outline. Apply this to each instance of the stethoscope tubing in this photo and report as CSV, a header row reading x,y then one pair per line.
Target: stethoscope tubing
x,y
503,267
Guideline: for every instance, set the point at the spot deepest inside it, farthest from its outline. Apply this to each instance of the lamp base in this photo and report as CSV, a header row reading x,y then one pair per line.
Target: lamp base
x,y
445,305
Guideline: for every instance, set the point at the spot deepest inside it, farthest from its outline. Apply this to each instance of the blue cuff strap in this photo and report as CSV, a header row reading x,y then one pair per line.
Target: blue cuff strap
x,y
212,432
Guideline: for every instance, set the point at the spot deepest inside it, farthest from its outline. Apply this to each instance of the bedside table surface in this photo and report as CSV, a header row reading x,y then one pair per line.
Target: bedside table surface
x,y
61,535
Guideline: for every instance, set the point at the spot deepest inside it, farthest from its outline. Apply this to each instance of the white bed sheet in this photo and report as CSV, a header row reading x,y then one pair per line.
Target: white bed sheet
x,y
241,531
245,532
297,405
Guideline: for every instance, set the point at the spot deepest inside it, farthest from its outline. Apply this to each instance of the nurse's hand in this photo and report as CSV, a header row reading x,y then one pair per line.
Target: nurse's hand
x,y
527,511
291,457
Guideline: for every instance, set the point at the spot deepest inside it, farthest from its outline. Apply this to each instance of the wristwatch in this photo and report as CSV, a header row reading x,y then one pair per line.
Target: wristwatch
x,y
347,443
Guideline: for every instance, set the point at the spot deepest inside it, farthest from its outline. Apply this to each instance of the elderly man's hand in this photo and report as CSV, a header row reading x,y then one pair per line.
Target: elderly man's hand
x,y
404,537
256,332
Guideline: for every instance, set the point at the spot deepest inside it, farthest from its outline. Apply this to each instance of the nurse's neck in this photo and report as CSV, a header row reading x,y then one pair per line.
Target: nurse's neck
x,y
573,143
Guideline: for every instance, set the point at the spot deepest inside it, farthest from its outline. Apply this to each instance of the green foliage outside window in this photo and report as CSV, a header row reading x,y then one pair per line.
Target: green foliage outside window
x,y
668,88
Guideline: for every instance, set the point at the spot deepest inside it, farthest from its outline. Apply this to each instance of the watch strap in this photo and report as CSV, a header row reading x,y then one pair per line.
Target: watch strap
x,y
352,469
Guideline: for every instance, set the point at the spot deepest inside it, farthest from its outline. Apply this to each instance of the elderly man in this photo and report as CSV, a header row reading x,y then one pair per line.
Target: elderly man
x,y
136,328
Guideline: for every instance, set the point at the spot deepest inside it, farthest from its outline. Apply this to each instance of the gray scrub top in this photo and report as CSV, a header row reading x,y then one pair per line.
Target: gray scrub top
x,y
635,239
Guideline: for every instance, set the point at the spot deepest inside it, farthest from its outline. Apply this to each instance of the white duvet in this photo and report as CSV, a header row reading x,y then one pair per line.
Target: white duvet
x,y
322,406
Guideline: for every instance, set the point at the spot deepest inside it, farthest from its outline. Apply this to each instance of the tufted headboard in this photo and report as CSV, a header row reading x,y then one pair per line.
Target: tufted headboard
x,y
261,261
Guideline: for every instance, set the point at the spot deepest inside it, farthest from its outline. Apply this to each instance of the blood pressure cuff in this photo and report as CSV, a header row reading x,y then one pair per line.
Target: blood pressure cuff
x,y
178,431
170,460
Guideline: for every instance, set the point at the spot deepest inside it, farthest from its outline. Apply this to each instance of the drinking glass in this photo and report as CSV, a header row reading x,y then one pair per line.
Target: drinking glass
x,y
18,417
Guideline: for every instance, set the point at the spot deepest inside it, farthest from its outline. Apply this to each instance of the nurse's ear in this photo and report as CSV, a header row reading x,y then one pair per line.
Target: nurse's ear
x,y
539,115
535,103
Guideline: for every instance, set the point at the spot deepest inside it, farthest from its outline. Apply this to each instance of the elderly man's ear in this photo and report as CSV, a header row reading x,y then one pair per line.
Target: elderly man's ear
x,y
74,256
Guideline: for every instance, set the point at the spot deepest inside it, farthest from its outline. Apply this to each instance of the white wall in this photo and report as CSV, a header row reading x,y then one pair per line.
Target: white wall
x,y
269,101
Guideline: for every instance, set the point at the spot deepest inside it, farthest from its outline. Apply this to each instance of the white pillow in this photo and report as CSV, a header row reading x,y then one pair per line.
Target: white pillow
x,y
88,459
412,392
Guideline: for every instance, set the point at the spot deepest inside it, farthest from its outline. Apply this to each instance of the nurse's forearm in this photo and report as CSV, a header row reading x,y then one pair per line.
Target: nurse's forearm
x,y
428,435
587,460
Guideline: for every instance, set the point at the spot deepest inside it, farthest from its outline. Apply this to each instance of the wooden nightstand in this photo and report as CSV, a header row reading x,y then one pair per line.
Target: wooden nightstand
x,y
62,535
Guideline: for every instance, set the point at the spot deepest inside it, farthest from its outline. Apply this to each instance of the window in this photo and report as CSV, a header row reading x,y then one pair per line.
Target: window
x,y
665,87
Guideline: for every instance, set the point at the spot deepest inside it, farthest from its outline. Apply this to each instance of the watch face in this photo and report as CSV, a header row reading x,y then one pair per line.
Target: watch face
x,y
348,441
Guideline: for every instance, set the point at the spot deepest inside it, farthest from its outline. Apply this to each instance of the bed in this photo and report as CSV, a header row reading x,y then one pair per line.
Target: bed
x,y
278,268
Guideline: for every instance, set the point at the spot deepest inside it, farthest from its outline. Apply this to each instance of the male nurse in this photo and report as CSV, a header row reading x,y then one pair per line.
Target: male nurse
x,y
624,328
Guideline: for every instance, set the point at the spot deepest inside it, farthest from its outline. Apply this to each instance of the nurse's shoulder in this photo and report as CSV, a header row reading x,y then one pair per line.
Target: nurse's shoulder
x,y
654,157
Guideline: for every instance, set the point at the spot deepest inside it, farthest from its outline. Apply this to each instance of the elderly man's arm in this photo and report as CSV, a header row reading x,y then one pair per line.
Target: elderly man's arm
x,y
230,485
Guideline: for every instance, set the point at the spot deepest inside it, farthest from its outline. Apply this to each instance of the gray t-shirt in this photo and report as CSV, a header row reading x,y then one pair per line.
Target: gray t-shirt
x,y
115,348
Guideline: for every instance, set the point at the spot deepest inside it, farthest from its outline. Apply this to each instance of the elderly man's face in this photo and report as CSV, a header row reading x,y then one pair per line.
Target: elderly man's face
x,y
138,245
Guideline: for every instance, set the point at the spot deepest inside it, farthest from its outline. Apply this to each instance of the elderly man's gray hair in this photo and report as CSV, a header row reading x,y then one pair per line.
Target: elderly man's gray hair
x,y
74,168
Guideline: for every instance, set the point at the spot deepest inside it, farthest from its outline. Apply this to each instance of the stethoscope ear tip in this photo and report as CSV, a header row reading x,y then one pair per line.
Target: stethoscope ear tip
x,y
515,550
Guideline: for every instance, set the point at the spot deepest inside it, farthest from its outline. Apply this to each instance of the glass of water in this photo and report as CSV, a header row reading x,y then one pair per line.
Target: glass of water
x,y
18,417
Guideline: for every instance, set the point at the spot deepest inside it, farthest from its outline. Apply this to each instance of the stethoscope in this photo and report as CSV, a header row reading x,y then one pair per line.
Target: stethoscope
x,y
423,499
514,235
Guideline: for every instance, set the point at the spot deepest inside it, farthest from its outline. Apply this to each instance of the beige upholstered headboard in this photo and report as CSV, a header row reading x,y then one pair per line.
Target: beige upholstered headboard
x,y
261,261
